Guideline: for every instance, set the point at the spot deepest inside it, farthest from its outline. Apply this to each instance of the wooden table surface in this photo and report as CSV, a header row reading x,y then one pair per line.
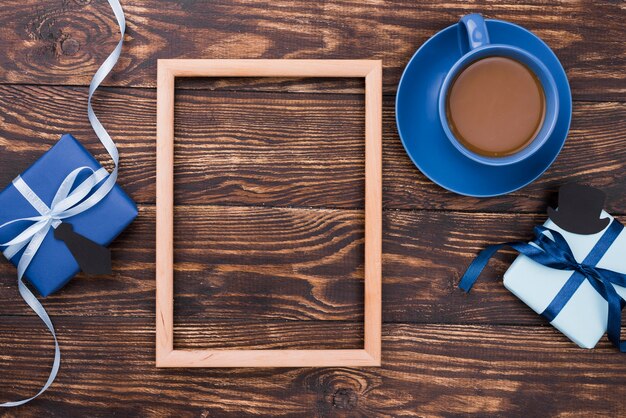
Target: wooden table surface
x,y
269,216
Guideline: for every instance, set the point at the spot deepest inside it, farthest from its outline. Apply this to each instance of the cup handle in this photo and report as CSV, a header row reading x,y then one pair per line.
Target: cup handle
x,y
476,29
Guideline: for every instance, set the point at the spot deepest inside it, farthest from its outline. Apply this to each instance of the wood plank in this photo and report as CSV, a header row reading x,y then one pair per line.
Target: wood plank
x,y
200,333
500,371
221,160
301,150
61,42
296,264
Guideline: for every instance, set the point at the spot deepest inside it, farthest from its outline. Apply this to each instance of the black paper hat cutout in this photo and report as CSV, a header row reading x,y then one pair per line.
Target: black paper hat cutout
x,y
579,209
91,257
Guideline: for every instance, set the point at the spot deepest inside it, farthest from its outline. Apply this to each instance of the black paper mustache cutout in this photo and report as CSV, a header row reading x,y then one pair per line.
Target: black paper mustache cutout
x,y
92,257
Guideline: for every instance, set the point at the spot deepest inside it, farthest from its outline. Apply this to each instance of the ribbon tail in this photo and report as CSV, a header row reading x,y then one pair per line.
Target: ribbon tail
x,y
477,266
614,323
10,251
38,308
480,262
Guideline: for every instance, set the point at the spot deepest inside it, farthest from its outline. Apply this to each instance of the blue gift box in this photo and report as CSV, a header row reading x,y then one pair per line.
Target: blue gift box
x,y
53,265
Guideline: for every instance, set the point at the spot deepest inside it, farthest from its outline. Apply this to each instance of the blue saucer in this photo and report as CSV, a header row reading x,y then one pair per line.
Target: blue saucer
x,y
424,139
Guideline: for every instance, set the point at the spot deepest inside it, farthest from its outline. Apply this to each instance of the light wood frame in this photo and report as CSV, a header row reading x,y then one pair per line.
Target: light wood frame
x,y
166,355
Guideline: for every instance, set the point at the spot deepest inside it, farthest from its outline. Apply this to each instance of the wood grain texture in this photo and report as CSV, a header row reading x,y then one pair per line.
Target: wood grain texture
x,y
428,370
220,160
164,264
238,263
64,41
373,240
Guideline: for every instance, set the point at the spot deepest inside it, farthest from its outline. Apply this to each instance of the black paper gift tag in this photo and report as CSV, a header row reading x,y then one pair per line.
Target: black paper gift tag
x,y
92,257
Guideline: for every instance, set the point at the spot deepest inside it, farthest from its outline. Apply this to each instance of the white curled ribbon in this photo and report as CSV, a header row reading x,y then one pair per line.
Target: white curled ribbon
x,y
68,201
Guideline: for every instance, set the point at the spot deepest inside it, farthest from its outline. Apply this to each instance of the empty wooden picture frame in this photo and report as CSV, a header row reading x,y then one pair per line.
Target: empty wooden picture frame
x,y
166,355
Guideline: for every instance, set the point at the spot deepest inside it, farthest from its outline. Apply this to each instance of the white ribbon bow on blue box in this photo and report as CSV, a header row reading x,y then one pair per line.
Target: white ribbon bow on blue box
x,y
65,185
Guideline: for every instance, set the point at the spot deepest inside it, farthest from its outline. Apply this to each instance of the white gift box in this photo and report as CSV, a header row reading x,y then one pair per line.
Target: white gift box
x,y
584,318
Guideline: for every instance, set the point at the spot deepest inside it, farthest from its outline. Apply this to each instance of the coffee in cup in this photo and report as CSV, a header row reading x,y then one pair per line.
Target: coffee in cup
x,y
495,106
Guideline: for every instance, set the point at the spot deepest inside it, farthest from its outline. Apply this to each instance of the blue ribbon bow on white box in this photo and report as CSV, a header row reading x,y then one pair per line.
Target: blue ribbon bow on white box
x,y
576,281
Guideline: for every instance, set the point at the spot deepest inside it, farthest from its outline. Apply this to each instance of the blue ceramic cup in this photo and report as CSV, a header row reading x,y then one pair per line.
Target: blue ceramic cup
x,y
479,47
